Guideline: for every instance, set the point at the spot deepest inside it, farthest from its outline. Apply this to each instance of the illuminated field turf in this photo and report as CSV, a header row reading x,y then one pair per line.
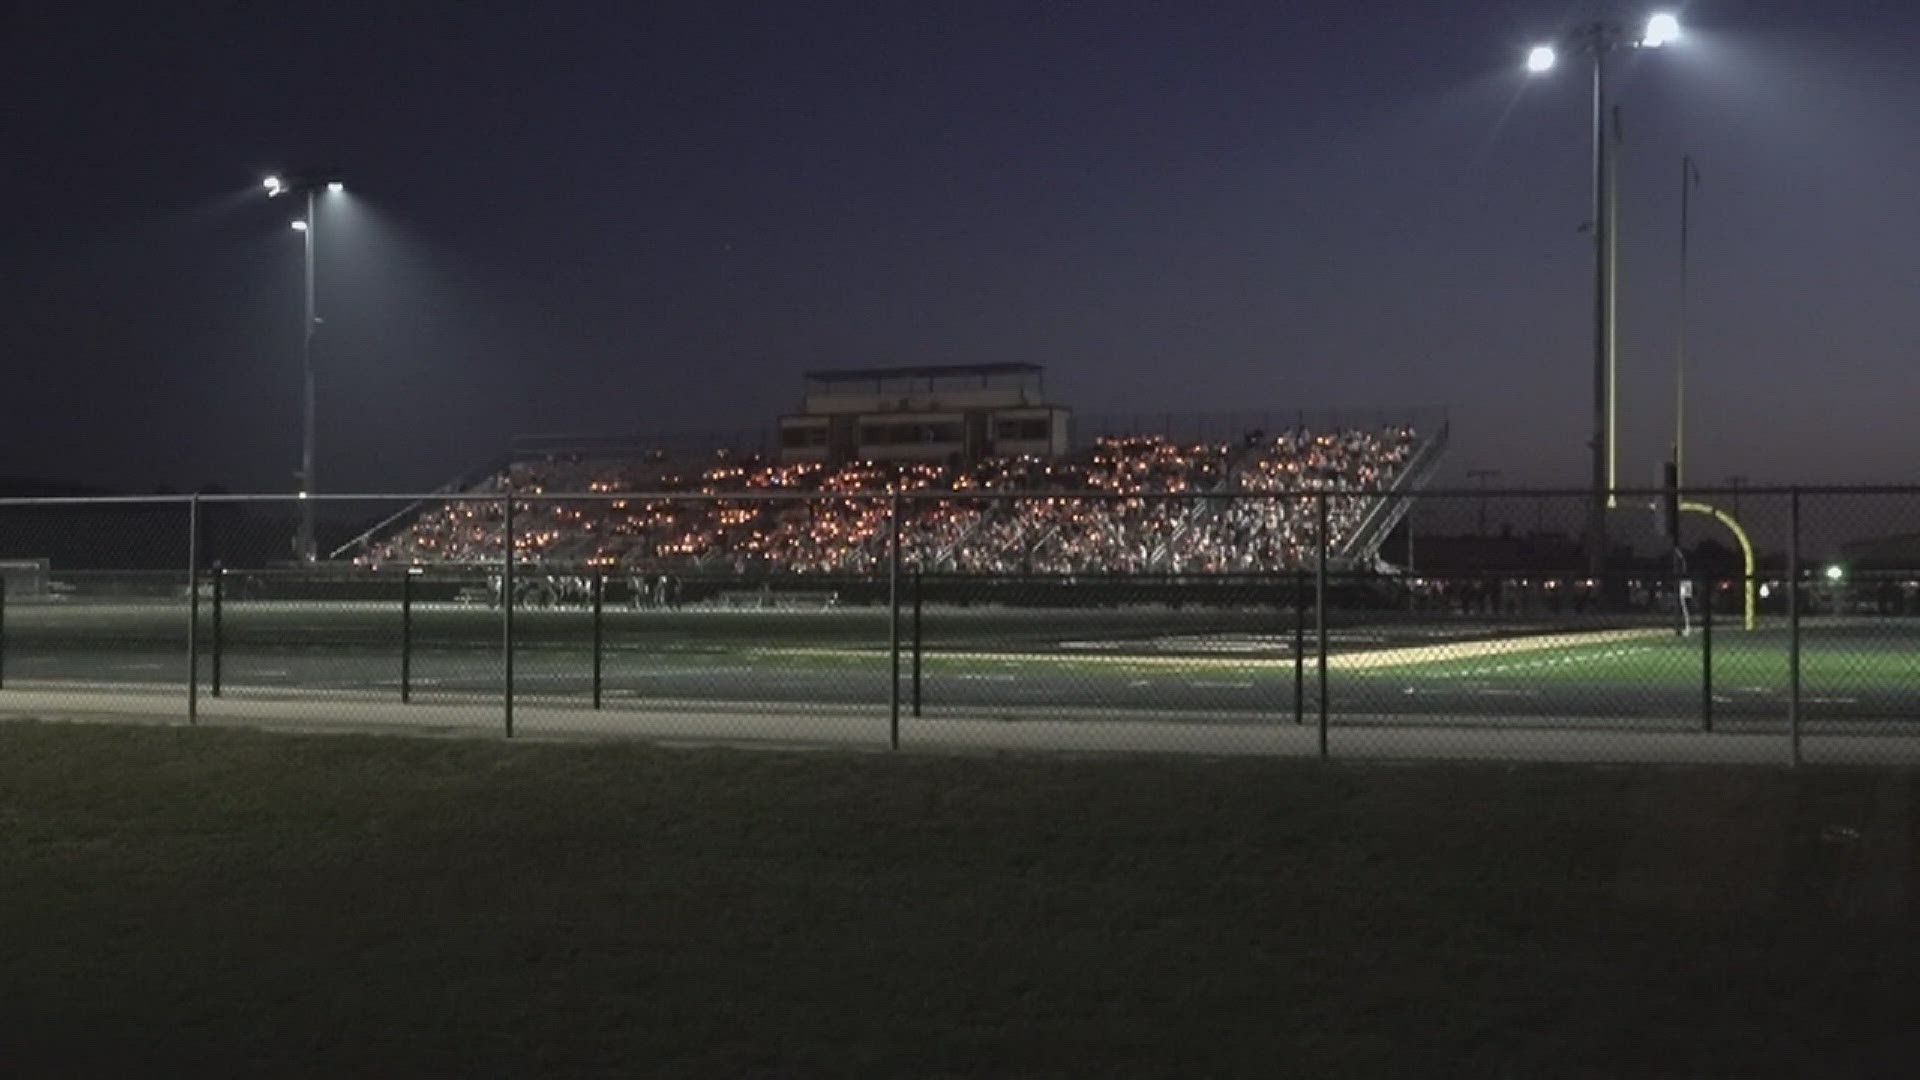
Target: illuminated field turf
x,y
1223,661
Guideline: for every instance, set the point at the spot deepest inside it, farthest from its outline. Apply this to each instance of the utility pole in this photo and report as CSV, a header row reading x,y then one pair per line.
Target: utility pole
x,y
1483,475
1598,41
1689,179
311,185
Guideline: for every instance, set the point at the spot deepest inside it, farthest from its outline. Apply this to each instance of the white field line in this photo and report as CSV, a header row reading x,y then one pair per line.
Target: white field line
x,y
1408,656
1545,662
1489,649
1076,660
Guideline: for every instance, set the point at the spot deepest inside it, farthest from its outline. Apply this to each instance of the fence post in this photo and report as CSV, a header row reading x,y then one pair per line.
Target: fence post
x,y
599,600
1793,628
1320,614
1300,647
406,634
1706,653
917,647
506,613
1412,598
893,620
193,609
219,632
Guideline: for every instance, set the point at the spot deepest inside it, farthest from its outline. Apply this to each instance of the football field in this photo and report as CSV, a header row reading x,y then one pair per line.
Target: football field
x,y
1220,663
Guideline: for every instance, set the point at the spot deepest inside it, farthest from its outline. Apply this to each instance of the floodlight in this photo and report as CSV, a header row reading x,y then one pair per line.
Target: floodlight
x,y
1662,29
1541,59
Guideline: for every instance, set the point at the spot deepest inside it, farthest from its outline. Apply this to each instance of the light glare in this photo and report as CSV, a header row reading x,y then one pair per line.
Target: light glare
x,y
336,187
1662,29
1835,573
1541,59
299,226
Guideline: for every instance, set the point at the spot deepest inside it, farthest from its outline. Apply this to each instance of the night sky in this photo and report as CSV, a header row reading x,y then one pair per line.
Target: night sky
x,y
631,217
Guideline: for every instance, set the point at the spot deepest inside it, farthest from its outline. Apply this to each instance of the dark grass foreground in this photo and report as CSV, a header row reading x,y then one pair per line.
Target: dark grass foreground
x,y
240,903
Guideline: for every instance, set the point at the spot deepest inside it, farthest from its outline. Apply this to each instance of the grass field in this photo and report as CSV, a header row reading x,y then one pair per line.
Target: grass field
x,y
233,903
1218,660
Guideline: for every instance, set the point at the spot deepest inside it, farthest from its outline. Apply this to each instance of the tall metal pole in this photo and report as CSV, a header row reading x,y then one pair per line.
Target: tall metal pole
x,y
1483,475
1320,616
893,621
1689,176
599,604
1300,647
1412,505
1602,315
1615,139
1793,628
193,609
406,635
919,624
219,578
309,484
506,612
1707,586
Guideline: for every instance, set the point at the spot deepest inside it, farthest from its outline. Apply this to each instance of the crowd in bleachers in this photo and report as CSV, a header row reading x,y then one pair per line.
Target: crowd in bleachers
x,y
1129,506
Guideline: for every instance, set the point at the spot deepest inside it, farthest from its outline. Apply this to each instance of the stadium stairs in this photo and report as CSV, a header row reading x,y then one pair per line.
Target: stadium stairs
x,y
1362,546
479,481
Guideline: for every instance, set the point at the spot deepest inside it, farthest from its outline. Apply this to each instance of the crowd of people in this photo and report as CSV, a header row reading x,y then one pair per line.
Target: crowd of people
x,y
1131,505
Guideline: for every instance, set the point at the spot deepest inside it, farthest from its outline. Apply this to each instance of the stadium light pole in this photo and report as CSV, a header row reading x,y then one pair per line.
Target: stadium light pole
x,y
1689,179
1483,475
1598,41
309,185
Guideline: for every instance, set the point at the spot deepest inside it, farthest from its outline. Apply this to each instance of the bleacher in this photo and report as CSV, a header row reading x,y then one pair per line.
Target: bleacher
x,y
1127,505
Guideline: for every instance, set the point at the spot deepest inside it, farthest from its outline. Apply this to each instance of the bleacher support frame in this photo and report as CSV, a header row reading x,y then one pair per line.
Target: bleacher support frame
x,y
1391,507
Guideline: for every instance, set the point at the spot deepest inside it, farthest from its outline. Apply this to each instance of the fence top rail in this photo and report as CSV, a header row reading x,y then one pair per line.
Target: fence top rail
x,y
925,494
98,500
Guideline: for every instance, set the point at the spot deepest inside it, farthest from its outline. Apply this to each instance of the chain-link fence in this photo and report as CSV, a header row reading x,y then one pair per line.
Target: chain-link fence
x,y
1781,627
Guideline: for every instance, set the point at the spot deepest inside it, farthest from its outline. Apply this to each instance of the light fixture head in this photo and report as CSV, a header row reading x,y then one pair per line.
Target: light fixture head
x,y
1542,58
1662,29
